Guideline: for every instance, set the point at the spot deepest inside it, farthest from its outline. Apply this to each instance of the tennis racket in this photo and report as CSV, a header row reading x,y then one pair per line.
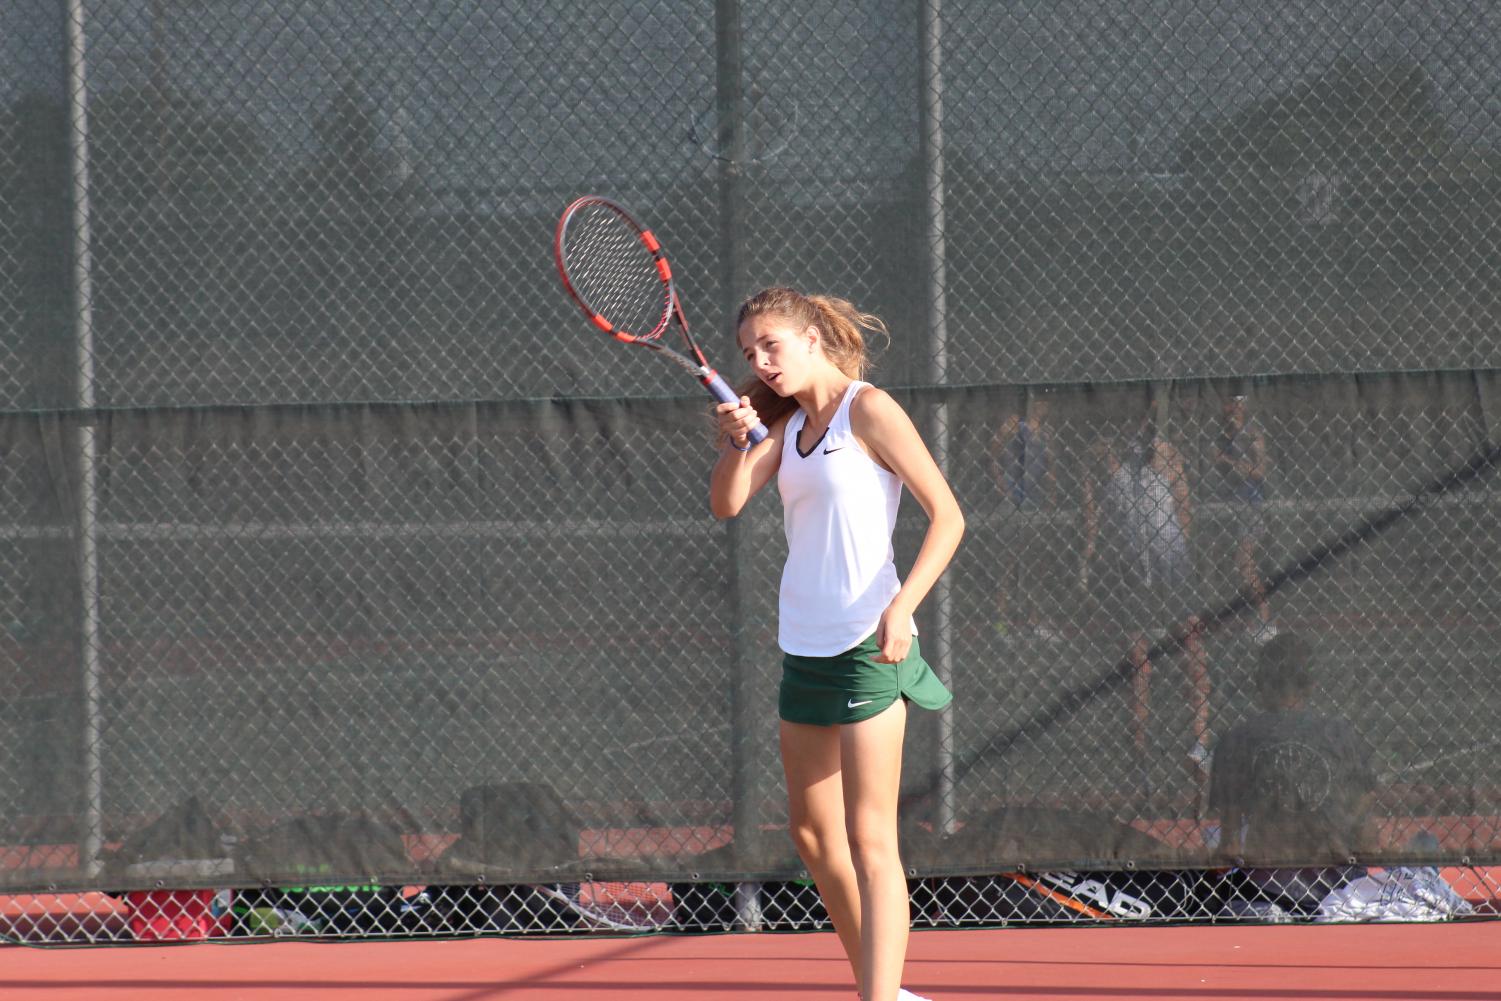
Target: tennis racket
x,y
617,272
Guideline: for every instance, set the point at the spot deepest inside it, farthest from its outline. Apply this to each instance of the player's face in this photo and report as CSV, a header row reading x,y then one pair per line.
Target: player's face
x,y
779,353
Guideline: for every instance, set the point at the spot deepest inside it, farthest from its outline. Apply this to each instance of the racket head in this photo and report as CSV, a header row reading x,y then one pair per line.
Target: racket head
x,y
615,269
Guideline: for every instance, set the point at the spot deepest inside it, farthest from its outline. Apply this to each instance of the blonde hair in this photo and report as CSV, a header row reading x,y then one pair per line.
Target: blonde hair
x,y
843,329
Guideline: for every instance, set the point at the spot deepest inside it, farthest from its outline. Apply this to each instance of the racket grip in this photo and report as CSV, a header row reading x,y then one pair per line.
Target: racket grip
x,y
722,392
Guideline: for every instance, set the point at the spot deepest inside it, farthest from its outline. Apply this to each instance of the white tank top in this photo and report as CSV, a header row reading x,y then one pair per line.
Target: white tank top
x,y
839,511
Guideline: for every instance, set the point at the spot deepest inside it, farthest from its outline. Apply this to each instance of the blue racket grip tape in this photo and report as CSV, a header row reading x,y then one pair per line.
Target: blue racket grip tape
x,y
724,394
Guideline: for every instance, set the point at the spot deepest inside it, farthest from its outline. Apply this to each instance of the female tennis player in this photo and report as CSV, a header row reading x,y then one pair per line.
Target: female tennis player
x,y
841,450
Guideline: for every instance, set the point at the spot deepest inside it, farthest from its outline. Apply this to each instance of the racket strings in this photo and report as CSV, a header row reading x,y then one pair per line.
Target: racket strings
x,y
614,273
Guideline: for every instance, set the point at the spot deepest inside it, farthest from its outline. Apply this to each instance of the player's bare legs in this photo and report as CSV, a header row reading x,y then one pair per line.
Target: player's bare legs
x,y
842,786
815,800
872,755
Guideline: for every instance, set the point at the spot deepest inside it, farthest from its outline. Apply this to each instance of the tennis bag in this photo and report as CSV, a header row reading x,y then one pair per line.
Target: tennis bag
x,y
183,832
336,862
506,827
173,856
1055,894
516,825
1062,895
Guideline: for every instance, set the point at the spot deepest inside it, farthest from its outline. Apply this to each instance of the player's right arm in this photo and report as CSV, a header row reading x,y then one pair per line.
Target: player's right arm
x,y
737,476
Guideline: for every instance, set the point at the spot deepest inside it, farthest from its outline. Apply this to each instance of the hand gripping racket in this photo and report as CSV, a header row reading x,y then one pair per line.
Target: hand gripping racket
x,y
616,271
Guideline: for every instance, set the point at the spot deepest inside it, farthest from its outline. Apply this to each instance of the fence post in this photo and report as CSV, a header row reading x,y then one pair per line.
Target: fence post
x,y
935,214
730,141
92,835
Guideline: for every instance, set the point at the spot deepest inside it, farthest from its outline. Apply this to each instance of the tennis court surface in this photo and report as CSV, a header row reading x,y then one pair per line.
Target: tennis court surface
x,y
1436,962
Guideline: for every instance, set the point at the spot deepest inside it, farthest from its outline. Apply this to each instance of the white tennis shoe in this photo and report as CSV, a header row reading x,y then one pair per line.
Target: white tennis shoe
x,y
906,995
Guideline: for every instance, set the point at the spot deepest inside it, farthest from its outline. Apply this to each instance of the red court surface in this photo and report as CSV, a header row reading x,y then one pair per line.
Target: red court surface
x,y
1446,962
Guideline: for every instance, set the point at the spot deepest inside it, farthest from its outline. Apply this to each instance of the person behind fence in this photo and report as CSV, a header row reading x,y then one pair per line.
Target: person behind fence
x,y
1138,515
1291,784
1241,457
841,451
1022,464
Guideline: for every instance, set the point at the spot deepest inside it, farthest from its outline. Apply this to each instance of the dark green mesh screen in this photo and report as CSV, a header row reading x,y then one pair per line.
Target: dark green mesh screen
x,y
319,499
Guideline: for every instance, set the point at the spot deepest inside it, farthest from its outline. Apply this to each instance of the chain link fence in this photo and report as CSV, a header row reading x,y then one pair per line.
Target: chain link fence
x,y
326,522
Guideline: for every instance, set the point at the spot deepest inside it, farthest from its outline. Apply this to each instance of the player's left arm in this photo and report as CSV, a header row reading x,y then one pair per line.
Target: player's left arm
x,y
891,439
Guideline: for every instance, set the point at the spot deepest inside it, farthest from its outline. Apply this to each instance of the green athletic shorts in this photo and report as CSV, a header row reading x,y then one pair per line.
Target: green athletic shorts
x,y
851,686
